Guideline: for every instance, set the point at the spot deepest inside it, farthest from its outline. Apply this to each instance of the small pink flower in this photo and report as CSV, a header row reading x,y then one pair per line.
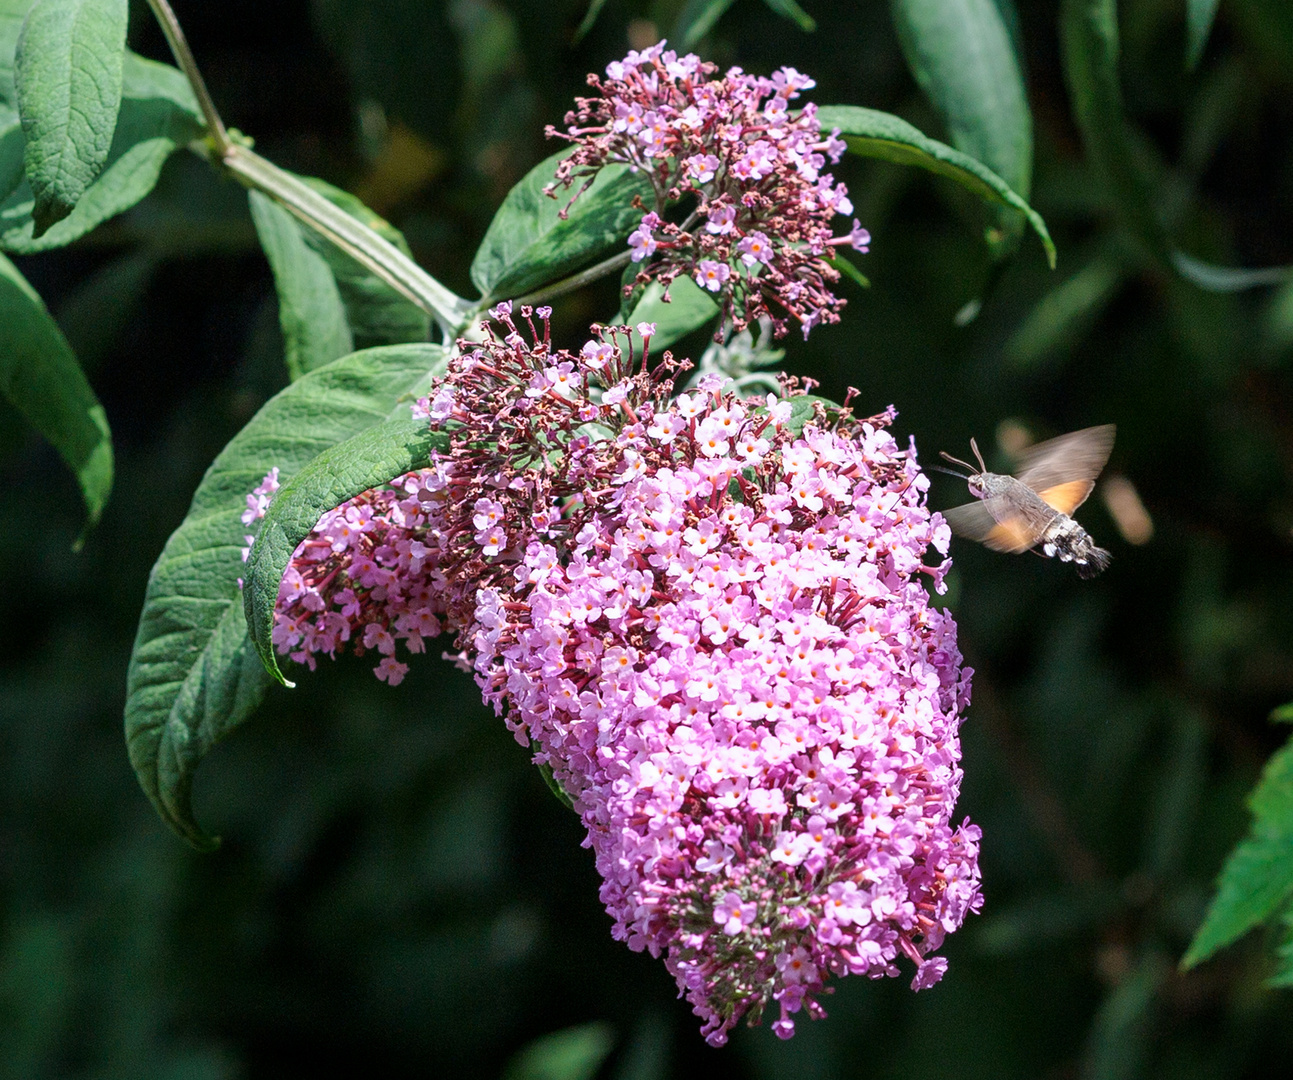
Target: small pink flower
x,y
712,275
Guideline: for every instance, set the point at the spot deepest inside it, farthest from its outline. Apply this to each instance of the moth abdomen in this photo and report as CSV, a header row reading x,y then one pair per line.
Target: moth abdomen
x,y
1067,541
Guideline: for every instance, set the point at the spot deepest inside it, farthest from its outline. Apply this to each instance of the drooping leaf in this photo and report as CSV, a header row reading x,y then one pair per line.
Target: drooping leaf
x,y
1090,46
1257,881
158,114
574,1054
963,57
310,311
697,19
1199,15
194,675
377,313
67,76
40,375
689,308
528,244
372,457
882,135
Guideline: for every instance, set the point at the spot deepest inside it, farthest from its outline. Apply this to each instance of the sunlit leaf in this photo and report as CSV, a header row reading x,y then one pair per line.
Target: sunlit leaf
x,y
373,457
310,311
528,243
1257,880
68,76
194,675
40,376
689,308
882,135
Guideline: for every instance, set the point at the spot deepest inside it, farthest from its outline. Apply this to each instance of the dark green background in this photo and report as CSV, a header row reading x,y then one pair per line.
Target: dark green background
x,y
397,892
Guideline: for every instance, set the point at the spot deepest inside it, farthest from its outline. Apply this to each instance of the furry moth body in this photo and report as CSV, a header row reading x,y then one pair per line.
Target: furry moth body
x,y
1033,508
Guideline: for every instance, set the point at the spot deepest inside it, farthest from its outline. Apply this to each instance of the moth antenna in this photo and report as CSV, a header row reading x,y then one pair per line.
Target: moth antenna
x,y
957,461
979,457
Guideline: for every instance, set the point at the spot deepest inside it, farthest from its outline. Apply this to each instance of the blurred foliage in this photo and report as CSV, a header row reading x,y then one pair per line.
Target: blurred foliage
x,y
398,891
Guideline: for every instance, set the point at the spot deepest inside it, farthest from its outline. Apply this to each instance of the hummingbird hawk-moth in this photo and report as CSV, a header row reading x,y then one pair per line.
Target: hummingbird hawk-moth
x,y
1016,513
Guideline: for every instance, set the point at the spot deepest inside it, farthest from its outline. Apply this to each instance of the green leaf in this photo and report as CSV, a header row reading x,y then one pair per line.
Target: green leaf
x,y
1120,1039
158,114
689,308
697,19
846,267
373,457
789,9
1199,15
1089,42
377,313
310,311
589,19
882,135
40,375
68,75
1283,977
11,151
1257,880
194,676
1063,316
13,13
574,1054
962,56
528,245
545,770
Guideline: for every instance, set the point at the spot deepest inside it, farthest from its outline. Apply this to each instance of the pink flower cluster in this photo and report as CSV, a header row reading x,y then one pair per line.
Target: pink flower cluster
x,y
365,578
707,616
759,235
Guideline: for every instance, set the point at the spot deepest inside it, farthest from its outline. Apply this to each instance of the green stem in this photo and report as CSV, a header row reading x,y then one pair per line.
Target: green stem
x,y
577,281
361,243
184,56
358,241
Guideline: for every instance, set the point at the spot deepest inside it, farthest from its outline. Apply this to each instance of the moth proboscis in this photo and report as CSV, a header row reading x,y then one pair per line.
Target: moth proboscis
x,y
1016,513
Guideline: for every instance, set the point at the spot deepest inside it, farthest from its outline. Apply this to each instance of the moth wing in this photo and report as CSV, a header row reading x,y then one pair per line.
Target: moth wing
x,y
1067,497
1063,470
995,524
